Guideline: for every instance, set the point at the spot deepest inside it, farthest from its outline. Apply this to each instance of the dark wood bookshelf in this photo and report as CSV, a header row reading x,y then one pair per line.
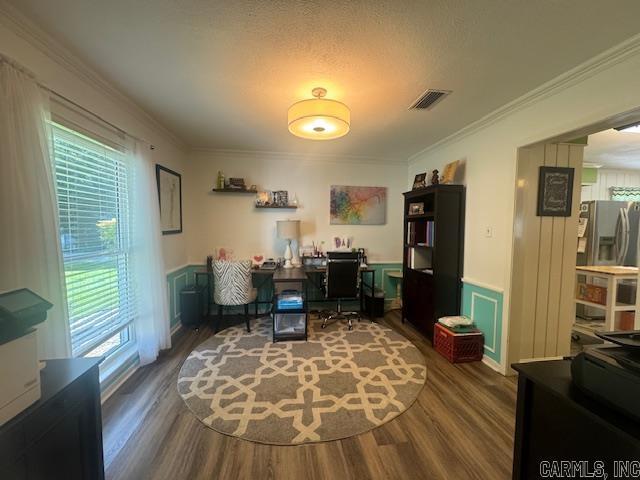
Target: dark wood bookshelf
x,y
232,190
427,296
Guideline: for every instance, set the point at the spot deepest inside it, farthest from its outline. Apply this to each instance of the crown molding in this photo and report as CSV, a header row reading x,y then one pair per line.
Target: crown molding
x,y
591,67
279,156
53,49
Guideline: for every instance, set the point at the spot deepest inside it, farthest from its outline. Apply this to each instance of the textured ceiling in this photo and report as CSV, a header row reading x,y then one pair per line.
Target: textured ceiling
x,y
221,74
613,149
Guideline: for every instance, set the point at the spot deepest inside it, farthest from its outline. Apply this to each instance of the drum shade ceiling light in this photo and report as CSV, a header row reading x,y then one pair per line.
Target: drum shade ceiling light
x,y
319,118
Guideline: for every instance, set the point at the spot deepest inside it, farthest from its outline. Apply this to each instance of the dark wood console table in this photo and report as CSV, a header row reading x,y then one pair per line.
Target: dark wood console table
x,y
556,422
59,436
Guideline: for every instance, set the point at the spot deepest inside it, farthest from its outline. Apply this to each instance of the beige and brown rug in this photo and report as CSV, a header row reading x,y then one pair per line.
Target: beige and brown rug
x,y
337,384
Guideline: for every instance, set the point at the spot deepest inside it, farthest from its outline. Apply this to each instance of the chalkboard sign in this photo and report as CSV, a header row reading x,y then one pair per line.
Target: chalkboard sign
x,y
555,191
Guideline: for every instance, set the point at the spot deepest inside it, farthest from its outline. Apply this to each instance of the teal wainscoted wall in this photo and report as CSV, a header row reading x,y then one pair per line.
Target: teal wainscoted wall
x,y
178,279
383,281
484,307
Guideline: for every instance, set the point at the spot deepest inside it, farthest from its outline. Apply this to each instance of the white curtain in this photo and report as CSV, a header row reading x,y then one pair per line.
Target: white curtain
x,y
30,253
152,324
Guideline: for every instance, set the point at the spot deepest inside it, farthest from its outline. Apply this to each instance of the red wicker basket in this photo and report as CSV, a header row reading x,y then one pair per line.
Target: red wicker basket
x,y
458,348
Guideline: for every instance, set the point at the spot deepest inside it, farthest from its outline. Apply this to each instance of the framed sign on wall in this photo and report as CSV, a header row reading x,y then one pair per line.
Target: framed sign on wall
x,y
555,191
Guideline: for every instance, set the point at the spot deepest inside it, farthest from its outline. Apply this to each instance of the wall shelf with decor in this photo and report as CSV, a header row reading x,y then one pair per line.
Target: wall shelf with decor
x,y
289,207
433,255
232,190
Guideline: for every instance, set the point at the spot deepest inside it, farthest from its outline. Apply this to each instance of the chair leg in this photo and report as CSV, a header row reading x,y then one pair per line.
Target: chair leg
x,y
246,316
218,319
256,307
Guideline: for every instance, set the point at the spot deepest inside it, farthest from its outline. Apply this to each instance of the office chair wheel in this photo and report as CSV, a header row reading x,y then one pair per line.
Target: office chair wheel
x,y
323,325
350,327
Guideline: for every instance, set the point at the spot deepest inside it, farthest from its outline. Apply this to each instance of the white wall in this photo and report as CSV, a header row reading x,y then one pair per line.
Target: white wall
x,y
57,69
231,221
601,88
607,178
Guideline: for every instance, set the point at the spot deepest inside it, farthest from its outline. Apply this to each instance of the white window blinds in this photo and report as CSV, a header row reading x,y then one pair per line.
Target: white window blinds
x,y
93,201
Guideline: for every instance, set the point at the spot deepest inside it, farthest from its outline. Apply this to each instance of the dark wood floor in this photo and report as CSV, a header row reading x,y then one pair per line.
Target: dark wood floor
x,y
461,427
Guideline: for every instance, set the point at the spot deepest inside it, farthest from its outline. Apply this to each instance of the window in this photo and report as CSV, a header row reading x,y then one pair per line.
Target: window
x,y
93,203
625,194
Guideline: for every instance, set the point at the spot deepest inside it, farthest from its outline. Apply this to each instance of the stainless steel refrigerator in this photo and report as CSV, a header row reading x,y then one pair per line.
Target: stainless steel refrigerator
x,y
627,230
610,238
600,235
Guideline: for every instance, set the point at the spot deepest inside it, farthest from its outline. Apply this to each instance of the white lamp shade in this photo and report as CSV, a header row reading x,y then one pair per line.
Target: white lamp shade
x,y
319,119
288,229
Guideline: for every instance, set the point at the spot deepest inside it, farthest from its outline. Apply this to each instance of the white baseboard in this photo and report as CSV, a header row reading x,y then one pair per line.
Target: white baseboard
x,y
539,359
176,327
123,377
492,364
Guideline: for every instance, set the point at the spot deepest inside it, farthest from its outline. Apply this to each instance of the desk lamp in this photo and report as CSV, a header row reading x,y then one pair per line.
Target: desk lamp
x,y
288,230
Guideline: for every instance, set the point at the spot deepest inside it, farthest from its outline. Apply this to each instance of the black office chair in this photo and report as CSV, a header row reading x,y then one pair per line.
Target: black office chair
x,y
342,282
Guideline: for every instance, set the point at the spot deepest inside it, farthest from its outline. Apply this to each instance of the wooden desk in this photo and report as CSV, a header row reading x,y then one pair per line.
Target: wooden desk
x,y
295,274
555,421
305,275
312,271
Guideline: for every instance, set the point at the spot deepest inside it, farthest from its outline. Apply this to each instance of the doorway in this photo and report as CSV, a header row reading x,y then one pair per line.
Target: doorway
x,y
545,281
608,235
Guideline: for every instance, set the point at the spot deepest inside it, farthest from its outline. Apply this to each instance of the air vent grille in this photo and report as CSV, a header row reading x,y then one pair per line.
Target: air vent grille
x,y
428,99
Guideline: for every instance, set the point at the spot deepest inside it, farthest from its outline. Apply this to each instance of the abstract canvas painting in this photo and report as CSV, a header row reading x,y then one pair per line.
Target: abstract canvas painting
x,y
358,205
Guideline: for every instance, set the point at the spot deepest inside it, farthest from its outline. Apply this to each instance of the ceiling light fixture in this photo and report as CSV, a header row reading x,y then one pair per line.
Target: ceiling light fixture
x,y
319,118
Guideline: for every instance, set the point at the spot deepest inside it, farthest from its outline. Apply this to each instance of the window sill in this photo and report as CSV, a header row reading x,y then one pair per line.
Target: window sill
x,y
117,364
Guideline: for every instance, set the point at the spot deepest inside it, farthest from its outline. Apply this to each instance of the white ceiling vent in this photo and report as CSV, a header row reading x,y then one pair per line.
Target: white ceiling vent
x,y
428,99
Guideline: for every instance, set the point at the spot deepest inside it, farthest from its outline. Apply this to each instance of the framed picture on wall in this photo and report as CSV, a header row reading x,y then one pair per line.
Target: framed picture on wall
x,y
555,191
170,198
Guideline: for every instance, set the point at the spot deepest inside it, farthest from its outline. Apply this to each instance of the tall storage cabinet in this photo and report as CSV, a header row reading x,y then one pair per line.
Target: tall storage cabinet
x,y
433,255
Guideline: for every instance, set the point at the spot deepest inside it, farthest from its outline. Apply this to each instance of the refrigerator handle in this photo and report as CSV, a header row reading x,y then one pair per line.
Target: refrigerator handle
x,y
622,236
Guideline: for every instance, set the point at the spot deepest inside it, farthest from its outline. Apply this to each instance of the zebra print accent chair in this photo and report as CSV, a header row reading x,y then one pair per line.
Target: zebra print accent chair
x,y
232,286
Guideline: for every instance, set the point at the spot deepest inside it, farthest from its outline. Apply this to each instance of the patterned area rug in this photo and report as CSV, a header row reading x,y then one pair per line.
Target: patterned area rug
x,y
337,384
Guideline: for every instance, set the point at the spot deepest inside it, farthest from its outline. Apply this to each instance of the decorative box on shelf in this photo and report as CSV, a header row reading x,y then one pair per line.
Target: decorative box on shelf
x,y
592,293
458,347
289,316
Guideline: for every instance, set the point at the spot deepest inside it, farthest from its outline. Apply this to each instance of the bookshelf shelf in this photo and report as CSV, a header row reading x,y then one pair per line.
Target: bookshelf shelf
x,y
422,216
433,255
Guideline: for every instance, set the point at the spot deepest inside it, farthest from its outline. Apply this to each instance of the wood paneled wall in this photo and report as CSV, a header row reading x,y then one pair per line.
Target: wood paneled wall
x,y
543,275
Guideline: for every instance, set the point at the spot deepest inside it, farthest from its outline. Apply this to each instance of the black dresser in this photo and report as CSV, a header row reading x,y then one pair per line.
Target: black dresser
x,y
59,436
555,422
